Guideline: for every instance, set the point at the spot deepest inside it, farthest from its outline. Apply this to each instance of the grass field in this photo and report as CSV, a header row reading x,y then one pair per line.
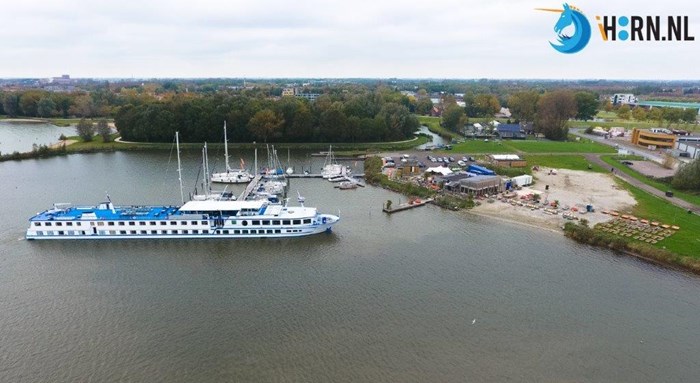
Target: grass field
x,y
573,162
689,197
584,146
481,146
686,241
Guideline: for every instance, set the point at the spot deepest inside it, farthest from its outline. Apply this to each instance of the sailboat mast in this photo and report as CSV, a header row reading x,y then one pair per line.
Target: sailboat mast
x,y
226,146
255,170
179,166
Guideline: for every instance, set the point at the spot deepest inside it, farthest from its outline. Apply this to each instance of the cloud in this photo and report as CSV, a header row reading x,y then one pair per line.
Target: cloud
x,y
273,38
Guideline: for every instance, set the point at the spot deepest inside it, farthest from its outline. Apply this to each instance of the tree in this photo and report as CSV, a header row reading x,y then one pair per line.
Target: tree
x,y
657,115
688,177
424,106
46,107
265,124
28,103
672,115
639,114
453,117
554,109
690,115
104,130
607,105
623,112
85,129
485,105
523,105
587,105
11,104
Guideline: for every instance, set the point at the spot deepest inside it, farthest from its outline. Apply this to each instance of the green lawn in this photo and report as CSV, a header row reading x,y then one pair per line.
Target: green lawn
x,y
481,146
686,241
583,146
689,197
573,162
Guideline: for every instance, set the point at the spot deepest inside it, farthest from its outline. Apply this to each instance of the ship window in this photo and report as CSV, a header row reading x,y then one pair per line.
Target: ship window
x,y
256,222
122,231
194,222
225,231
173,231
184,232
60,233
276,222
245,231
98,224
233,222
286,222
121,223
204,222
144,231
236,232
133,231
82,232
265,222
269,231
110,223
132,223
152,223
142,223
183,222
71,223
154,231
163,223
48,223
112,232
37,223
244,223
278,231
307,221
297,222
195,231
173,223
59,224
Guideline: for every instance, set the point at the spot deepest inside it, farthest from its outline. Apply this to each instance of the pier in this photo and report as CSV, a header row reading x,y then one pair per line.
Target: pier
x,y
407,205
249,189
317,175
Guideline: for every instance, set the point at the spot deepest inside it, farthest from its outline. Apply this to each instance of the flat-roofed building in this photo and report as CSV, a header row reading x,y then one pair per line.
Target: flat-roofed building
x,y
647,138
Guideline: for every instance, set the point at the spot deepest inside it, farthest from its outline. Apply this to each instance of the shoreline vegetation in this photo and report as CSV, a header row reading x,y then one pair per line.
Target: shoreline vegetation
x,y
74,144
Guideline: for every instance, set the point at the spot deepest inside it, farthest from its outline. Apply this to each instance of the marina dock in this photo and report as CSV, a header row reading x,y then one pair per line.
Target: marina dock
x,y
249,189
316,175
407,205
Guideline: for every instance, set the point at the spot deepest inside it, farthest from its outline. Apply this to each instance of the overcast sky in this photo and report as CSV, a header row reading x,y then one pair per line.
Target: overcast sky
x,y
329,38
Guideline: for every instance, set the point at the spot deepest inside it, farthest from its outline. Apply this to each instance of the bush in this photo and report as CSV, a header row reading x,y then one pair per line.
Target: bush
x,y
688,177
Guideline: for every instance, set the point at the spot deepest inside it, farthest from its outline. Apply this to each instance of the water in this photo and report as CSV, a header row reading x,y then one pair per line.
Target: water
x,y
437,139
382,298
21,136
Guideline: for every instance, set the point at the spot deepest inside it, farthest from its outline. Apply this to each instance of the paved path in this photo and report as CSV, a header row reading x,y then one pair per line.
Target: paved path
x,y
595,158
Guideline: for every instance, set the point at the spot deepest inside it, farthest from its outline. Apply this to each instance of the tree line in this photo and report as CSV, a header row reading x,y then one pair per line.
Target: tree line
x,y
359,117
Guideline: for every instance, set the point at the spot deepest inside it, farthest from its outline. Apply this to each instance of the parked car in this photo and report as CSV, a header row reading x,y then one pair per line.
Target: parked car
x,y
461,163
465,159
627,162
452,159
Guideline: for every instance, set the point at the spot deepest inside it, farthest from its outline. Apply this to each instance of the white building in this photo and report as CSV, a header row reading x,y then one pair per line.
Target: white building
x,y
623,98
693,149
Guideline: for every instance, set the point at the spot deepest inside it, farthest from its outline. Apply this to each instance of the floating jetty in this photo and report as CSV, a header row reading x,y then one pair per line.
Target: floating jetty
x,y
315,175
249,189
407,205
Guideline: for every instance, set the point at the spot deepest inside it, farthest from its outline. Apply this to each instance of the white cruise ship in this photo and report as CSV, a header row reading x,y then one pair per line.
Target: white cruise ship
x,y
194,219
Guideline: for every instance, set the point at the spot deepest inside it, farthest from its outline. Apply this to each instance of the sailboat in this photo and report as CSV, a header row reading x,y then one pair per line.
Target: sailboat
x,y
230,176
332,169
209,194
193,219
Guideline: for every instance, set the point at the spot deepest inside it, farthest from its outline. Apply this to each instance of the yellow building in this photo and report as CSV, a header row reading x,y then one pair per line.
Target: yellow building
x,y
288,92
643,137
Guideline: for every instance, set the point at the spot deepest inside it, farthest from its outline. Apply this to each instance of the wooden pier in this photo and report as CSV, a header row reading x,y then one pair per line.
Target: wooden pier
x,y
407,205
316,175
249,189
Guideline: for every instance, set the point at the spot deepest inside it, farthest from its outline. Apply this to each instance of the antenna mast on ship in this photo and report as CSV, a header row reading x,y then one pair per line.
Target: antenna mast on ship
x,y
179,166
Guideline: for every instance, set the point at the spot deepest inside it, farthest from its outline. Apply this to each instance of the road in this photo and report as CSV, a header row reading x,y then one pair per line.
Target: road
x,y
595,158
632,149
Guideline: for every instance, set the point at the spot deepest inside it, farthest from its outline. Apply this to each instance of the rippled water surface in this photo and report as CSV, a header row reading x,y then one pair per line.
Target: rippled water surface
x,y
422,295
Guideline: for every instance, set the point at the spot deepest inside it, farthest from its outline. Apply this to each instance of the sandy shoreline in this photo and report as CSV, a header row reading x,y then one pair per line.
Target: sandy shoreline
x,y
572,190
